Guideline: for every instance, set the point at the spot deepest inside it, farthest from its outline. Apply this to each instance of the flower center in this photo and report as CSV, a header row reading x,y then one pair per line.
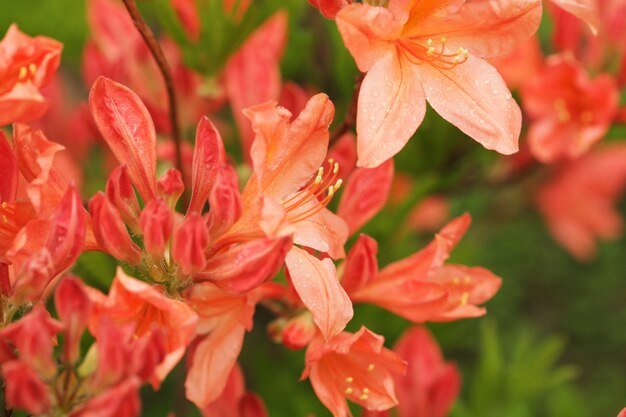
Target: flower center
x,y
433,53
315,196
27,73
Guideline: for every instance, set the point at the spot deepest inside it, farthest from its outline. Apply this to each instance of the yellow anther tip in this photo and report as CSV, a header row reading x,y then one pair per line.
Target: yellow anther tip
x,y
370,367
335,168
363,397
32,68
349,380
348,391
23,73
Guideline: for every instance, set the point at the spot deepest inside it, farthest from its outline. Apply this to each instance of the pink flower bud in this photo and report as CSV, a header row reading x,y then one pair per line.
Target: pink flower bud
x,y
24,388
122,194
225,201
298,331
73,307
190,243
157,223
208,156
170,187
111,232
34,337
33,277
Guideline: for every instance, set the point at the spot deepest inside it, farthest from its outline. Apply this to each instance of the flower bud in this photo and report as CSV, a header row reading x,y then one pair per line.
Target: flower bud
x,y
298,331
157,222
121,193
190,243
24,388
111,232
170,187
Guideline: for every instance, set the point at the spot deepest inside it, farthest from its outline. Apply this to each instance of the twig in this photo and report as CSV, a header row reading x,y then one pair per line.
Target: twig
x,y
349,121
159,57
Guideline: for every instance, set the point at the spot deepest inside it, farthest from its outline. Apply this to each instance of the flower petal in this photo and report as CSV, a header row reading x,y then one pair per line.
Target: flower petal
x,y
365,194
208,156
124,122
8,170
316,283
473,97
212,361
391,107
585,10
485,28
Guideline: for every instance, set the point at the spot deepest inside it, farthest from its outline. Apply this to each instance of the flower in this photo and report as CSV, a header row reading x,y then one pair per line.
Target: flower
x,y
430,385
356,367
26,65
415,51
577,201
421,287
570,111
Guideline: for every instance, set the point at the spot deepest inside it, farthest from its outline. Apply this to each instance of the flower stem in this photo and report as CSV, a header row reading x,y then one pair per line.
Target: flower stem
x,y
159,57
349,121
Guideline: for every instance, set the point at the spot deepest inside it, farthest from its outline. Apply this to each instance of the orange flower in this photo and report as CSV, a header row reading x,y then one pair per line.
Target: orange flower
x,y
421,287
418,50
26,65
577,203
136,303
355,367
570,111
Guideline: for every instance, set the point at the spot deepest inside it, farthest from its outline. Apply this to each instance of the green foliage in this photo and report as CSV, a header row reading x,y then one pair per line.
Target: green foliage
x,y
518,378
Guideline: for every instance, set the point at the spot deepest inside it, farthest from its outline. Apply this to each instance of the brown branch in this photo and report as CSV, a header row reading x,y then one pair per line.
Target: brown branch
x,y
159,57
349,121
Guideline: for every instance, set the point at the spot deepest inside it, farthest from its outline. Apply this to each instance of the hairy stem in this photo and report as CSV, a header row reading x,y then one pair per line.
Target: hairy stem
x,y
159,57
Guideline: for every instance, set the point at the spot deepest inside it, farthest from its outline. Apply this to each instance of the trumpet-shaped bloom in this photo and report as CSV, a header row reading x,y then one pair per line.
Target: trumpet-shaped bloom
x,y
421,287
355,367
430,385
421,50
570,111
26,65
146,308
578,201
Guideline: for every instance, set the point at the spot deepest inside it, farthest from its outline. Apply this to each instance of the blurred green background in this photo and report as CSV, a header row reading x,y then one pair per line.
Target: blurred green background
x,y
552,343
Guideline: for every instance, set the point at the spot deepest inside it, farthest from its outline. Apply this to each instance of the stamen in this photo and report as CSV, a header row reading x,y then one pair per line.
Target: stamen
x,y
23,74
363,397
464,298
370,367
348,391
419,54
32,68
349,380
325,182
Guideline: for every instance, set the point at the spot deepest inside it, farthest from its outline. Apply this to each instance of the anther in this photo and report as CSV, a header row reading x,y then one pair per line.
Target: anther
x,y
467,280
348,391
32,68
363,397
429,42
349,380
4,205
464,298
23,73
366,391
5,219
335,168
370,367
456,280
